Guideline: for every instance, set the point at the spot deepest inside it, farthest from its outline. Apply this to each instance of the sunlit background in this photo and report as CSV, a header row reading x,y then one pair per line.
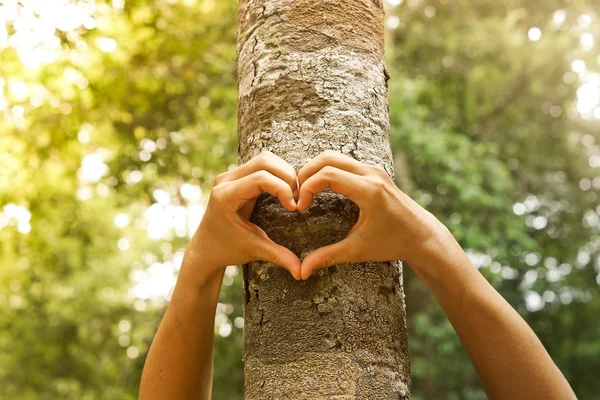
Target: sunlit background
x,y
115,117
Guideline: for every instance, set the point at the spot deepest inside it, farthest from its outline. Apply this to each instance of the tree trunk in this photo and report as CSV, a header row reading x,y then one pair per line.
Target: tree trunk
x,y
311,77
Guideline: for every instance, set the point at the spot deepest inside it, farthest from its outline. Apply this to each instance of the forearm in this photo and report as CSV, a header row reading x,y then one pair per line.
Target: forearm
x,y
507,355
179,363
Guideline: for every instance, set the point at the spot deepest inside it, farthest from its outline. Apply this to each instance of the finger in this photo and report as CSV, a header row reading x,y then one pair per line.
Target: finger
x,y
325,257
243,190
266,161
270,251
334,159
246,210
353,186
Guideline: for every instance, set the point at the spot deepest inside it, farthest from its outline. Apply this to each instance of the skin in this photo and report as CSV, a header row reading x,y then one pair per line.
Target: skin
x,y
509,359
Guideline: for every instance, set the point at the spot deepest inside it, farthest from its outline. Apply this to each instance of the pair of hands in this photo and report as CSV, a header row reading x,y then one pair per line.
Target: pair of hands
x,y
391,226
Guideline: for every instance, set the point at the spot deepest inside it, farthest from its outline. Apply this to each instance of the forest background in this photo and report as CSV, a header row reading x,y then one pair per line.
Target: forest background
x,y
116,116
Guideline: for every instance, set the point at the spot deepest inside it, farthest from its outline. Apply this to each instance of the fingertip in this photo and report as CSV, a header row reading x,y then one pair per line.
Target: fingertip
x,y
294,268
290,205
303,274
290,262
305,268
296,274
286,198
304,200
306,274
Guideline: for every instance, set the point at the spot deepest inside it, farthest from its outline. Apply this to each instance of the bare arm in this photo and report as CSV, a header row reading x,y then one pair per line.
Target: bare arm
x,y
179,363
507,355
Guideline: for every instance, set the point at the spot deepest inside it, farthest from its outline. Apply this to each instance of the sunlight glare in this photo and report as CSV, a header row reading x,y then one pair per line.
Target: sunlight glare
x,y
534,34
584,20
20,215
559,17
18,89
105,44
393,22
121,220
587,40
578,66
35,23
534,301
394,3
588,96
92,168
155,282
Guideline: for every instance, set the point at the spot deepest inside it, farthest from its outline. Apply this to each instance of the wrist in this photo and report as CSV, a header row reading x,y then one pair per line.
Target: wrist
x,y
436,248
451,277
443,265
199,272
196,293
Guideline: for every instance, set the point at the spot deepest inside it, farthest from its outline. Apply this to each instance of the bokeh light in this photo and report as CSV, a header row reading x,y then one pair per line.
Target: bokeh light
x,y
116,116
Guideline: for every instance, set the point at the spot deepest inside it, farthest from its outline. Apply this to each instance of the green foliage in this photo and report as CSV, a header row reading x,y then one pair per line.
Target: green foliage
x,y
485,136
158,107
484,123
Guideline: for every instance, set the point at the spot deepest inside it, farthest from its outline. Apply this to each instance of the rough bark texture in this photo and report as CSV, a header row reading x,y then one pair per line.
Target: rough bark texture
x,y
311,77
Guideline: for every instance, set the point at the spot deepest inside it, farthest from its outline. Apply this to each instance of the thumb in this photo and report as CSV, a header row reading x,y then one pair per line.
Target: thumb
x,y
246,210
325,257
269,251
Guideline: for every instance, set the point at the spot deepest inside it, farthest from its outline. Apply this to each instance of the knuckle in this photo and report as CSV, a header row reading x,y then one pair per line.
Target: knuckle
x,y
328,262
301,180
380,171
259,160
220,178
328,171
265,155
262,175
289,175
329,154
377,185
217,192
292,180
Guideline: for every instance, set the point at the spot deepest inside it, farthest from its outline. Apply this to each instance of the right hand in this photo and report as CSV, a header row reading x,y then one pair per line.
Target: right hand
x,y
225,235
391,226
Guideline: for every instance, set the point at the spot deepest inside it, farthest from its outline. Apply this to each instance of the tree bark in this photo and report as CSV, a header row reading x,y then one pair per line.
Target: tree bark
x,y
311,77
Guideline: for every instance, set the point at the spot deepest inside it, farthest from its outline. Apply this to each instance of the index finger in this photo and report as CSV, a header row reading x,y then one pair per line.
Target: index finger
x,y
266,161
240,191
334,159
343,182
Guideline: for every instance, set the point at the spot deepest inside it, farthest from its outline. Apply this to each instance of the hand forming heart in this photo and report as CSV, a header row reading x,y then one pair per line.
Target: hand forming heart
x,y
391,226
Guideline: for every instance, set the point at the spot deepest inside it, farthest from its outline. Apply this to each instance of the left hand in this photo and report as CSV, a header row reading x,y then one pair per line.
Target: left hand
x,y
391,226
